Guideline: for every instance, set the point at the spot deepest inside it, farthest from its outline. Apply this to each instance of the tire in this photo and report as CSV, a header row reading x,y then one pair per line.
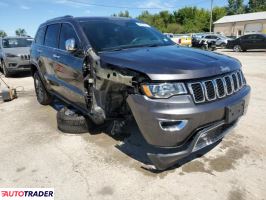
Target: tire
x,y
237,48
43,97
71,122
5,70
223,45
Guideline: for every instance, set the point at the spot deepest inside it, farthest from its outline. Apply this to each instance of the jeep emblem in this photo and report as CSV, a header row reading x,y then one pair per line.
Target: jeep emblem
x,y
224,69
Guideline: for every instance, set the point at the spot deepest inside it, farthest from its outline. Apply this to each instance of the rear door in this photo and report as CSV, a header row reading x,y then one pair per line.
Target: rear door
x,y
48,52
68,67
259,42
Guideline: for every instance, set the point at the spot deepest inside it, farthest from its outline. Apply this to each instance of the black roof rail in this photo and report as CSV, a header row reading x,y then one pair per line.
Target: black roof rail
x,y
58,18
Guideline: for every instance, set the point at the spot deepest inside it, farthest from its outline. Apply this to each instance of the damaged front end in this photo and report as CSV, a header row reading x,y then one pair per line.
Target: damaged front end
x,y
175,125
107,88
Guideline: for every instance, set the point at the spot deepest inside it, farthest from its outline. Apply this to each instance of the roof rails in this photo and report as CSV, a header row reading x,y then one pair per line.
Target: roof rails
x,y
58,18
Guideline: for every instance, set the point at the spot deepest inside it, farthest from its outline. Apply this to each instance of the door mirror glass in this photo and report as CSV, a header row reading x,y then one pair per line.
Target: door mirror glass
x,y
70,45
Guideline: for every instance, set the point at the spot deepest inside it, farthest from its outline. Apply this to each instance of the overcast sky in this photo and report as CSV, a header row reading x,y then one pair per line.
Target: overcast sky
x,y
28,14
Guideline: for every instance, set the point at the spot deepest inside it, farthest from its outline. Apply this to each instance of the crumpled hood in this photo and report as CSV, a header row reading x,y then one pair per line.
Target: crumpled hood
x,y
18,50
171,62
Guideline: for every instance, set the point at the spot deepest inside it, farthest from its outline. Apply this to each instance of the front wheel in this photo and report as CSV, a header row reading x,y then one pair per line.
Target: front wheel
x,y
223,45
237,48
43,96
5,70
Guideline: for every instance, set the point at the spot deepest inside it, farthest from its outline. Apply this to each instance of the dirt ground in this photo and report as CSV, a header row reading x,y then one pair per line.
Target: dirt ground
x,y
33,153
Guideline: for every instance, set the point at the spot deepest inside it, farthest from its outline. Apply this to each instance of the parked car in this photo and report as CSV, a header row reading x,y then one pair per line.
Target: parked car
x,y
219,40
198,41
182,99
15,54
182,39
247,42
222,41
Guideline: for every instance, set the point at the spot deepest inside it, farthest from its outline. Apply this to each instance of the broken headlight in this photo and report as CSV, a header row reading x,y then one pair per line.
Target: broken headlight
x,y
163,90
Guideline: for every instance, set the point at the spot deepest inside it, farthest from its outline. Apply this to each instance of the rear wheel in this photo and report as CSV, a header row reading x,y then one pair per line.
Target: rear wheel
x,y
43,96
237,48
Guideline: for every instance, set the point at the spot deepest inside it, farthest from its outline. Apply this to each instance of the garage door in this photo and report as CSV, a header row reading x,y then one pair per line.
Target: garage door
x,y
253,28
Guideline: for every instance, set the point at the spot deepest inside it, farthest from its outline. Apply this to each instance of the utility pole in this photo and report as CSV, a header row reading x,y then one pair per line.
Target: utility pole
x,y
211,17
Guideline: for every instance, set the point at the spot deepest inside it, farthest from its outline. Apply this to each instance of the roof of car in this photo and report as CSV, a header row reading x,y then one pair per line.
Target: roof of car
x,y
69,18
88,18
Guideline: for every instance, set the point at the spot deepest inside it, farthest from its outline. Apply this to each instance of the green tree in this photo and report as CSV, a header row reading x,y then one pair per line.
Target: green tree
x,y
122,14
235,7
146,17
256,5
218,12
21,32
3,33
174,28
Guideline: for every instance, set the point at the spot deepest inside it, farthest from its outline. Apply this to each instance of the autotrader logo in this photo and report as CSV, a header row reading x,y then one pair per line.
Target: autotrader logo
x,y
27,193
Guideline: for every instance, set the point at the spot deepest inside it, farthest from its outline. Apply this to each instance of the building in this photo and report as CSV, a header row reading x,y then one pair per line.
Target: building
x,y
237,25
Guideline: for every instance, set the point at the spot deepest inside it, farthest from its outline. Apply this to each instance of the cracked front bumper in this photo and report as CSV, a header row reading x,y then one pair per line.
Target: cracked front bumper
x,y
150,113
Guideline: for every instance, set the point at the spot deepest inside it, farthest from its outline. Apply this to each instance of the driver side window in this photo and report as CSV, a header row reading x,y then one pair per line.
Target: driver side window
x,y
67,32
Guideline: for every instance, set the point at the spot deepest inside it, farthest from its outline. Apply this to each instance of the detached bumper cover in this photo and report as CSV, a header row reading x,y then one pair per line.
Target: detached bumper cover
x,y
203,138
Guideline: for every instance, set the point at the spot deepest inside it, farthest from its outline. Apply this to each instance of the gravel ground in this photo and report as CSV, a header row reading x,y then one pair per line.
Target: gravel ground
x,y
96,166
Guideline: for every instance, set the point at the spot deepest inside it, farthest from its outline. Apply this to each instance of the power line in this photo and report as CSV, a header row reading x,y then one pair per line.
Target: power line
x,y
131,7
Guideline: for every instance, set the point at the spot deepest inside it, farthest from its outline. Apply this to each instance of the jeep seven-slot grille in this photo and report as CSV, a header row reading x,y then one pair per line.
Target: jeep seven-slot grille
x,y
216,88
25,57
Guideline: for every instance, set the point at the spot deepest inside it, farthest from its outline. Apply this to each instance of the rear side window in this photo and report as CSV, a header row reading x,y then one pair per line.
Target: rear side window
x,y
51,36
67,32
39,38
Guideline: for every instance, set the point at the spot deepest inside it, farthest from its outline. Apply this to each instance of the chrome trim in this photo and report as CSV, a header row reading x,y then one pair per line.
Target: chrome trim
x,y
179,126
232,86
192,92
205,132
241,79
237,84
206,91
240,83
224,86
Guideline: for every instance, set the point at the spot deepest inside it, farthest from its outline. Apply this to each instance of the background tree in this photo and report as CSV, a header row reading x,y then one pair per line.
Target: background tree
x,y
21,32
194,19
256,5
122,14
235,7
3,33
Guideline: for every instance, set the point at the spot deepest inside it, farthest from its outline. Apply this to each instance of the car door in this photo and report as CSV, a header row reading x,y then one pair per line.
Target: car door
x,y
259,42
246,42
37,51
48,51
68,67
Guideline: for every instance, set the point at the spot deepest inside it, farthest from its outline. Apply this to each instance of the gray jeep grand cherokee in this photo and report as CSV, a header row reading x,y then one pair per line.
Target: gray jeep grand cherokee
x,y
182,99
15,54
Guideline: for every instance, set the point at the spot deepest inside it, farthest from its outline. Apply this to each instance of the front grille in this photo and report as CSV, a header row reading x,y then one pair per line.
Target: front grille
x,y
25,57
217,88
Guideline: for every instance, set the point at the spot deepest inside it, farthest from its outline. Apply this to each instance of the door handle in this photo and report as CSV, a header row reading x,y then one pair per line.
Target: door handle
x,y
56,56
39,51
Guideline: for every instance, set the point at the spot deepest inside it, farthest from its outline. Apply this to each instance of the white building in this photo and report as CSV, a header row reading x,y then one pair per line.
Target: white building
x,y
237,25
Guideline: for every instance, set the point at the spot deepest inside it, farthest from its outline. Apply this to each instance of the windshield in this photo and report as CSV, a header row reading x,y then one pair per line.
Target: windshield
x,y
107,35
17,42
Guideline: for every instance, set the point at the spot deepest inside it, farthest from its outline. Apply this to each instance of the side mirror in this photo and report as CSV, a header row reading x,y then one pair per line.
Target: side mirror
x,y
70,45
